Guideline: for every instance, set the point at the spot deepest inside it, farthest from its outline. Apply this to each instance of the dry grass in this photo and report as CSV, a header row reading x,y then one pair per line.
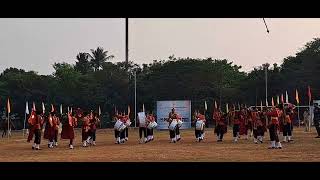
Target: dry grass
x,y
304,148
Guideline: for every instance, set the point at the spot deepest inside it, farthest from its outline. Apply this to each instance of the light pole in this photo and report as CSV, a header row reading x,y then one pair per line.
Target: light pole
x,y
135,98
266,78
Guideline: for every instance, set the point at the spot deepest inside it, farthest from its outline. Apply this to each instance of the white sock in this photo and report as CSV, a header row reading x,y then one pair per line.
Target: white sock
x,y
289,138
285,138
88,139
145,139
34,145
38,146
178,136
152,137
278,145
255,140
218,138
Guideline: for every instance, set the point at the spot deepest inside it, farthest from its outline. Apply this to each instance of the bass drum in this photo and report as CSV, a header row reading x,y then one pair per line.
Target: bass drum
x,y
199,125
173,125
152,125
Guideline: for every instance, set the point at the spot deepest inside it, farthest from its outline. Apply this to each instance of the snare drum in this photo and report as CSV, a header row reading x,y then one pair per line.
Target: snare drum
x,y
199,125
173,125
152,125
119,126
128,123
179,123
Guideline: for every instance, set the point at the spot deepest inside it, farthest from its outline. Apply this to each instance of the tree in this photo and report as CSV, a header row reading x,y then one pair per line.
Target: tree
x,y
83,64
98,57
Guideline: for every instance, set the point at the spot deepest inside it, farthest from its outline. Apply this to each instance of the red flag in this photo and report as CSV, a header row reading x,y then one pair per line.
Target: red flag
x,y
282,100
272,102
309,94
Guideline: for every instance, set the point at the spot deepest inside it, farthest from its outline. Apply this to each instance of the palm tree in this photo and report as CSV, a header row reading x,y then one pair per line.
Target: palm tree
x,y
83,64
98,57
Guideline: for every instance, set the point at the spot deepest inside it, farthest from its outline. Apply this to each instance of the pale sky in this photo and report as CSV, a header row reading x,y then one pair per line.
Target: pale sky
x,y
35,44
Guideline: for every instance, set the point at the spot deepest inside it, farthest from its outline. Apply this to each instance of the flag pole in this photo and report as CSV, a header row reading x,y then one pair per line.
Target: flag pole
x,y
8,125
24,123
299,114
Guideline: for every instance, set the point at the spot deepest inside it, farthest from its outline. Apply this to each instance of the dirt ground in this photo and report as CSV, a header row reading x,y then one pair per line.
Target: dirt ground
x,y
304,148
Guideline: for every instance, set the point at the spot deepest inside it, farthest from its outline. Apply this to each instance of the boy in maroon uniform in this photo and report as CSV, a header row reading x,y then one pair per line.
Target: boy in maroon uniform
x,y
36,121
275,113
68,128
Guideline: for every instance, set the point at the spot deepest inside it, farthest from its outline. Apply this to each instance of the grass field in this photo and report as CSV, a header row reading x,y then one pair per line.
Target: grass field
x,y
304,148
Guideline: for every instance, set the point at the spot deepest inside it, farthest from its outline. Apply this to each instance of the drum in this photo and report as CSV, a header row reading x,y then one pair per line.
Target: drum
x,y
128,123
119,126
179,123
152,125
199,125
173,125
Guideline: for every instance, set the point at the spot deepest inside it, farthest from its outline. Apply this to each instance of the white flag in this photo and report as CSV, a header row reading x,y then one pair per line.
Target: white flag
x,y
43,108
227,108
60,108
143,110
99,111
27,108
278,99
205,105
287,98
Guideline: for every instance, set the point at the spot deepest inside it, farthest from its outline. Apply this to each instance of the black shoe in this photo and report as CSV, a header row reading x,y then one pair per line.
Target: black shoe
x,y
33,148
317,137
178,139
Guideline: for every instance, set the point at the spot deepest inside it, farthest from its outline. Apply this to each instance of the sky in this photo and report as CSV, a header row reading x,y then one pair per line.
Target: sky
x,y
35,44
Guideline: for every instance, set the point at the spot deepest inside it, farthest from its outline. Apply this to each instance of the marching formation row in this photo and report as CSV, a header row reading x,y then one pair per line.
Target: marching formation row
x,y
245,122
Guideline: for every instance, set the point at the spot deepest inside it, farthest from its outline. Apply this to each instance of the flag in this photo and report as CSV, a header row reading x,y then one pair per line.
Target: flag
x,y
282,101
239,106
8,106
43,108
215,105
278,99
27,108
205,105
33,106
267,103
71,110
143,110
297,96
287,98
261,105
52,108
60,108
272,102
99,111
227,108
128,109
309,94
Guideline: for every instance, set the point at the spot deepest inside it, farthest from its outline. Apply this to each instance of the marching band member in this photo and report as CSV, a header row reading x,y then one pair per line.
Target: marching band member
x,y
126,130
143,130
275,113
235,117
199,129
123,132
36,121
49,129
150,119
94,120
258,128
68,128
249,123
85,129
221,126
217,117
33,115
174,131
243,123
116,118
286,121
56,123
